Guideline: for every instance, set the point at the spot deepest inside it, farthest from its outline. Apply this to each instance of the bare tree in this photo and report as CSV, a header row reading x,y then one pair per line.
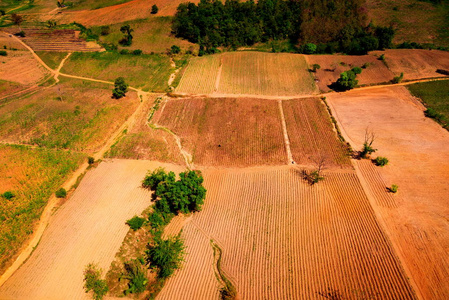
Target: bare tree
x,y
370,137
17,19
315,176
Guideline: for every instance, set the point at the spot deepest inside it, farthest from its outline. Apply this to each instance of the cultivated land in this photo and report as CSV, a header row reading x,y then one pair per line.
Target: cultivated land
x,y
89,227
74,114
253,73
419,162
147,72
282,238
32,175
226,132
333,65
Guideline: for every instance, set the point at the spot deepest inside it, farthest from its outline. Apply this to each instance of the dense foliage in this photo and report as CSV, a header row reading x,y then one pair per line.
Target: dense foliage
x,y
94,283
320,25
135,222
120,88
347,80
166,255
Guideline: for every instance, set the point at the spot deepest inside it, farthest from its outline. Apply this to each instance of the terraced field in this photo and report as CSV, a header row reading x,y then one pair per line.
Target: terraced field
x,y
284,239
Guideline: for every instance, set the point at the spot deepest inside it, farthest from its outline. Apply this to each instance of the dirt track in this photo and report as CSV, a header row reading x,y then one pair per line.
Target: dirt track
x,y
417,148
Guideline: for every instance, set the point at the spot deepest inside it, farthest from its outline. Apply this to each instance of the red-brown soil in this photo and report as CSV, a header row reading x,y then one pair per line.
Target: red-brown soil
x,y
333,65
417,148
284,239
226,132
21,67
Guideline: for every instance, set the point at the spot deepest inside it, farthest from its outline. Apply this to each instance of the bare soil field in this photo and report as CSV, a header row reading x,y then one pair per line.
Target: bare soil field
x,y
226,132
416,146
333,65
73,115
32,175
9,42
21,67
416,63
89,227
284,239
312,135
245,72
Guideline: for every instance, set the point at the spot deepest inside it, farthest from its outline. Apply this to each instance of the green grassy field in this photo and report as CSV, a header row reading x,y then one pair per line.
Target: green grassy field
x,y
52,59
92,4
147,72
150,35
435,95
32,175
73,115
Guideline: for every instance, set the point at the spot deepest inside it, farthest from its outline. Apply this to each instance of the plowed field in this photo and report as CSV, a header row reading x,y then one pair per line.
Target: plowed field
x,y
333,65
284,239
417,148
252,73
89,227
226,132
312,135
21,67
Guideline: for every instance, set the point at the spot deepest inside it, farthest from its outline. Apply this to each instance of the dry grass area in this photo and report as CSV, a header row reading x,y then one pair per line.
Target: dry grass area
x,y
312,135
9,42
226,132
143,142
252,73
284,239
32,175
73,115
416,146
21,67
89,227
416,63
333,65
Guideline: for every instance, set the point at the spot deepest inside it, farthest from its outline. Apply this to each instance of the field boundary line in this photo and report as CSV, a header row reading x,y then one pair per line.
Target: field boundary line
x,y
286,139
217,81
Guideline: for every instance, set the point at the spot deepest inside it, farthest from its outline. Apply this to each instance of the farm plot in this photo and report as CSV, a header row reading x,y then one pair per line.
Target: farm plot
x,y
258,73
419,162
21,67
226,132
416,63
332,66
312,135
284,239
51,58
32,175
73,115
147,72
200,77
89,227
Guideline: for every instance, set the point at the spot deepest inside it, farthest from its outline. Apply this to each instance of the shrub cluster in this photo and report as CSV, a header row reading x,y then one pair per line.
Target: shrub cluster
x,y
440,118
120,88
381,161
8,195
94,283
347,80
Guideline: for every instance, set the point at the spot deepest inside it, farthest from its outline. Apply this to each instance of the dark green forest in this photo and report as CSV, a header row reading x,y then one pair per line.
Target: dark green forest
x,y
331,25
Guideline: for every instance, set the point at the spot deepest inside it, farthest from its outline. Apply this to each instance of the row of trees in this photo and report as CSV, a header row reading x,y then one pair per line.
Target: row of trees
x,y
332,25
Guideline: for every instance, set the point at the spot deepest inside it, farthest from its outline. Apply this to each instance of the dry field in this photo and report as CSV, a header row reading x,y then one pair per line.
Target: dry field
x,y
284,239
89,227
252,73
312,135
226,132
73,115
21,67
416,146
9,42
333,65
416,63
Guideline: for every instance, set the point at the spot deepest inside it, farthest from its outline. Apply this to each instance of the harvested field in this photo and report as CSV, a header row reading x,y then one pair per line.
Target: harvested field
x,y
32,175
226,132
419,162
73,115
252,73
89,227
333,65
21,67
312,135
416,63
143,142
147,72
284,239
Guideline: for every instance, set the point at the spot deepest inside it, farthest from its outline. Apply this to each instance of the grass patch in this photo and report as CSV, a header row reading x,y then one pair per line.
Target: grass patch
x,y
32,175
435,96
93,4
147,72
52,59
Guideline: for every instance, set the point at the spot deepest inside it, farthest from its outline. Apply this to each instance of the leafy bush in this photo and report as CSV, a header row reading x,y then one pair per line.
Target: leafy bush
x,y
127,40
20,33
394,188
154,9
90,160
165,255
124,51
8,195
440,118
356,70
93,282
309,48
152,179
315,67
120,88
61,193
105,30
137,278
135,222
346,81
175,49
158,219
398,79
3,53
137,52
381,161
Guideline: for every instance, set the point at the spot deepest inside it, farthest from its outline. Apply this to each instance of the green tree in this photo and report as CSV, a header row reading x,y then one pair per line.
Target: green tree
x,y
120,88
17,19
93,282
135,273
175,49
315,67
154,9
61,193
310,48
346,81
166,255
127,40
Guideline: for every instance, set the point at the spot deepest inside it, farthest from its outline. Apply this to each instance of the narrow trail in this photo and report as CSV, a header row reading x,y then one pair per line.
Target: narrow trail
x,y
290,160
58,70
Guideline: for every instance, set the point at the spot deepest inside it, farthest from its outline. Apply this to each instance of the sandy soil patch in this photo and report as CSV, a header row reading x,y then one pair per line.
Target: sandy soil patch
x,y
419,162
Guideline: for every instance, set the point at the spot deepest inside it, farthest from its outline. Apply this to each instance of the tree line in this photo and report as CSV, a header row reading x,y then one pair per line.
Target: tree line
x,y
331,25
